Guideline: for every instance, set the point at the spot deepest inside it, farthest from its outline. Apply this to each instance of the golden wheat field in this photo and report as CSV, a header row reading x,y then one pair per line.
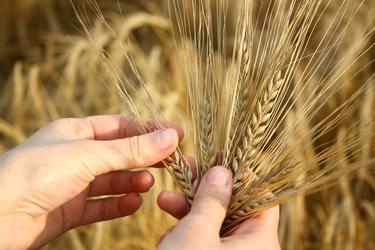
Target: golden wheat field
x,y
49,69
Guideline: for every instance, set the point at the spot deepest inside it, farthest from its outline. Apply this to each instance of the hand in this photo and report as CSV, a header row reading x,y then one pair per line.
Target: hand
x,y
200,228
45,183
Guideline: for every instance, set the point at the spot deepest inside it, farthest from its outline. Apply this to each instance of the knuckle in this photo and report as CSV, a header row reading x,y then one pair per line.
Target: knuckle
x,y
62,122
78,126
58,124
210,201
134,145
54,125
103,210
122,131
114,184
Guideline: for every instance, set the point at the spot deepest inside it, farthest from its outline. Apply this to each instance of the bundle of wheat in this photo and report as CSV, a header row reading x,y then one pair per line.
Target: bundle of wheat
x,y
64,78
245,108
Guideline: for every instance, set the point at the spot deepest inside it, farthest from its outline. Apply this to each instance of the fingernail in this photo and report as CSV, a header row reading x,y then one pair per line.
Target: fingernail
x,y
165,138
219,176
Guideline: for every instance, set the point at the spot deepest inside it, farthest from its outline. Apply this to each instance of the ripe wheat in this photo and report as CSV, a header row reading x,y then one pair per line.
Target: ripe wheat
x,y
244,93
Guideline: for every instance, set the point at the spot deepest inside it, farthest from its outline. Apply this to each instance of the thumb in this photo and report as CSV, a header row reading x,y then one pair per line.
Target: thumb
x,y
134,152
212,198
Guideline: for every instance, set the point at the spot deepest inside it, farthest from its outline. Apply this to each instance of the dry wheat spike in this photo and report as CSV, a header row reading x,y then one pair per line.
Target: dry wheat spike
x,y
249,68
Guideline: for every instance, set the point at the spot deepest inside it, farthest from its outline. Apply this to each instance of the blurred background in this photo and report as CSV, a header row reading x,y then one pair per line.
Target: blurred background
x,y
49,70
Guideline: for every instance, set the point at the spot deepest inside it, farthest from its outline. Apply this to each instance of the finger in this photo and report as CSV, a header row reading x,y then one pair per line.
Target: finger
x,y
90,128
107,127
212,198
264,224
136,152
173,204
111,127
121,182
110,208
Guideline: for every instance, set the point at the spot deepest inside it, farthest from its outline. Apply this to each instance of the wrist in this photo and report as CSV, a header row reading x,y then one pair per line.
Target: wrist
x,y
10,236
6,232
15,227
19,232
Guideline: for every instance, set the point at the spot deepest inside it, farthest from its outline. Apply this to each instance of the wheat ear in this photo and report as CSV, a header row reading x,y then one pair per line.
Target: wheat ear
x,y
181,172
249,145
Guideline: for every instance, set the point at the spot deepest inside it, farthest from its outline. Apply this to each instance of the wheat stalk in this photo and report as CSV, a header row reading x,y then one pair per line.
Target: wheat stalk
x,y
268,53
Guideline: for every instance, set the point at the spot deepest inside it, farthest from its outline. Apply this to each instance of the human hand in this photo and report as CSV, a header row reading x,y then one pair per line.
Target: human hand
x,y
45,183
200,228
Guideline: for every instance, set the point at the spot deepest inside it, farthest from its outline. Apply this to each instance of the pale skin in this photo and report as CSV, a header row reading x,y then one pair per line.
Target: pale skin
x,y
47,182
